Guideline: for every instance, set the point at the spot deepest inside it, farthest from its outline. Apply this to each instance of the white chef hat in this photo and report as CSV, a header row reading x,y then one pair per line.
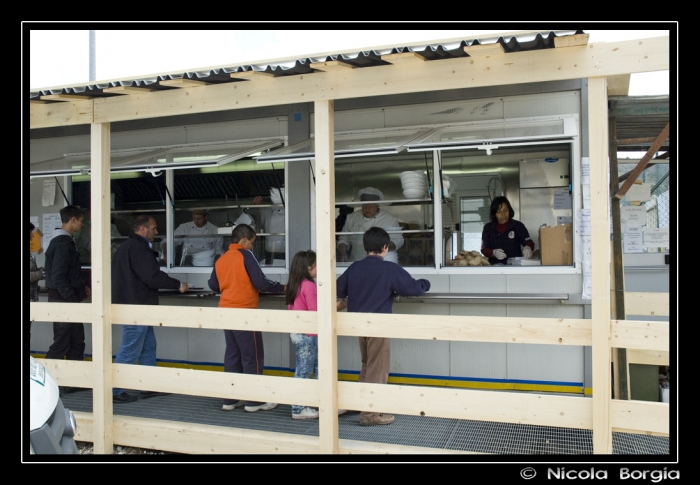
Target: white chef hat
x,y
370,193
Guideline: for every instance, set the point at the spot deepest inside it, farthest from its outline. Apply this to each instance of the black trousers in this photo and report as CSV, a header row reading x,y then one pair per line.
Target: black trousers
x,y
68,339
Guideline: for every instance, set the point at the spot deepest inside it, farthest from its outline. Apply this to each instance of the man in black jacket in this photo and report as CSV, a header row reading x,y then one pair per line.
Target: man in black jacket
x,y
136,279
65,284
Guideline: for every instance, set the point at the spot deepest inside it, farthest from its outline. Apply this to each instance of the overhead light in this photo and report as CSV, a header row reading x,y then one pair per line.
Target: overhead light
x,y
488,147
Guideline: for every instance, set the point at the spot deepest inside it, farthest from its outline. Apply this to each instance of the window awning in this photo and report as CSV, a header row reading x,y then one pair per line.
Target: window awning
x,y
355,144
158,158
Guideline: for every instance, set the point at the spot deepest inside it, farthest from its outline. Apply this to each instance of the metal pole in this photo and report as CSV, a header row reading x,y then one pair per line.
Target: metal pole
x,y
93,65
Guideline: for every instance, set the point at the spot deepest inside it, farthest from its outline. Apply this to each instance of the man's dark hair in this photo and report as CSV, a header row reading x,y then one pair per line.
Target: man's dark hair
x,y
374,240
140,221
496,204
242,231
69,212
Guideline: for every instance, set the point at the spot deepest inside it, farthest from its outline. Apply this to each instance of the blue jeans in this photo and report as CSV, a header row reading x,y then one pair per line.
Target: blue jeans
x,y
307,359
138,345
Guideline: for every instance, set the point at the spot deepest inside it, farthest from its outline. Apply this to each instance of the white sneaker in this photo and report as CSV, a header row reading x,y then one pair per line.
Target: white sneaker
x,y
306,413
342,411
231,407
261,407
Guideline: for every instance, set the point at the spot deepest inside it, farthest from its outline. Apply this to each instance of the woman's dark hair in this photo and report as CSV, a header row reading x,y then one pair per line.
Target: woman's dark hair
x,y
374,239
298,272
242,231
496,204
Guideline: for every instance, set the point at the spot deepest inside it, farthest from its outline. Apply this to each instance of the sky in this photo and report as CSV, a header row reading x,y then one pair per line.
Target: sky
x,y
61,57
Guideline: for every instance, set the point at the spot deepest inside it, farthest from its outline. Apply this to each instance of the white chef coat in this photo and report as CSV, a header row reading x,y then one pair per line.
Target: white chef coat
x,y
201,243
357,222
273,222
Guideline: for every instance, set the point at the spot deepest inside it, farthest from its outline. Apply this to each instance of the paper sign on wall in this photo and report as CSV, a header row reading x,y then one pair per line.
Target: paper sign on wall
x,y
656,238
633,243
585,170
638,192
52,222
49,195
562,200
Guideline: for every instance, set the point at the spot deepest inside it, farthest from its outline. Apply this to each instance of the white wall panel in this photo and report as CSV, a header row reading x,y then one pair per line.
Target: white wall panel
x,y
545,362
476,359
171,343
478,309
349,354
422,357
478,283
542,105
545,311
544,283
206,346
445,112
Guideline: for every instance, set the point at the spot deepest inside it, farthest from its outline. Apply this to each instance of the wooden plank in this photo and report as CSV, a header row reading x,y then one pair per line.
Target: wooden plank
x,y
65,97
60,312
640,335
648,357
101,256
647,303
571,40
183,83
403,58
480,50
46,115
640,416
331,66
37,101
503,407
252,75
618,85
554,331
217,384
600,255
326,274
71,373
127,90
517,67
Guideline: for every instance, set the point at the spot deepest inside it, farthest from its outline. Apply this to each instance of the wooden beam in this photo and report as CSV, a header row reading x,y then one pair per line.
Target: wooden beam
x,y
618,85
101,285
637,141
70,373
37,101
127,90
648,357
326,275
640,416
663,158
183,83
481,50
252,75
604,59
65,97
403,58
647,303
331,66
600,262
571,40
620,193
504,407
642,335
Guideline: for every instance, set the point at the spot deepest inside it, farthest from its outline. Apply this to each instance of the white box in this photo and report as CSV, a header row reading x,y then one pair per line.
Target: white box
x,y
663,394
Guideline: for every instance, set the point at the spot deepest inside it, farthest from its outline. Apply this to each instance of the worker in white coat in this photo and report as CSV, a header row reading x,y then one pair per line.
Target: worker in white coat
x,y
272,221
359,221
204,250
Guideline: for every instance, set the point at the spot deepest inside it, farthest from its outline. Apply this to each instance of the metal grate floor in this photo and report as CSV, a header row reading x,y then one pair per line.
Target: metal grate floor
x,y
441,433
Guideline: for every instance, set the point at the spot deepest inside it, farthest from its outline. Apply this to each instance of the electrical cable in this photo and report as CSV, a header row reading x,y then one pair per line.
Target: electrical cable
x,y
61,189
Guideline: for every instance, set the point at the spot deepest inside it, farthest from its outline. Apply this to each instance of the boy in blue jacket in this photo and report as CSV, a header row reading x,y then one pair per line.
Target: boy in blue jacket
x,y
370,286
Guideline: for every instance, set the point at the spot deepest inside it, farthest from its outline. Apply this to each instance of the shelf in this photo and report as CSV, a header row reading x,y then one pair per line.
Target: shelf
x,y
386,202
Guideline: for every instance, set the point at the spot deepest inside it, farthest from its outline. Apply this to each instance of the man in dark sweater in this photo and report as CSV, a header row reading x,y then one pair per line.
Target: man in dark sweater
x,y
65,284
370,286
136,279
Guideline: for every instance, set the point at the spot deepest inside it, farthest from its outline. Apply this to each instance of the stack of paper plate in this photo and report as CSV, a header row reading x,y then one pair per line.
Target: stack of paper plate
x,y
414,184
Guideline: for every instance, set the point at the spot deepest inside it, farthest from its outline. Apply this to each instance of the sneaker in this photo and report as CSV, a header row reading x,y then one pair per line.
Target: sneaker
x,y
306,413
376,419
342,411
261,407
231,407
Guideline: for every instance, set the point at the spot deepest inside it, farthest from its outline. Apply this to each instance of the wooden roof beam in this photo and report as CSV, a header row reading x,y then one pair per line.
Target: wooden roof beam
x,y
663,156
127,90
331,66
248,75
403,58
65,97
571,40
183,83
632,175
619,85
484,49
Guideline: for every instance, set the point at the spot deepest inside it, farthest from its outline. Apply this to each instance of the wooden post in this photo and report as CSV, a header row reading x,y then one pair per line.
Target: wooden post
x,y
600,268
325,262
100,145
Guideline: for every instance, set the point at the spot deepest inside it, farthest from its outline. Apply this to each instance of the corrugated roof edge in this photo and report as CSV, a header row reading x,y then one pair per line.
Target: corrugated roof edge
x,y
435,49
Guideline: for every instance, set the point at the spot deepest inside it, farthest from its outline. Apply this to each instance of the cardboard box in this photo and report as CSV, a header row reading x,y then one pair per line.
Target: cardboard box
x,y
556,248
